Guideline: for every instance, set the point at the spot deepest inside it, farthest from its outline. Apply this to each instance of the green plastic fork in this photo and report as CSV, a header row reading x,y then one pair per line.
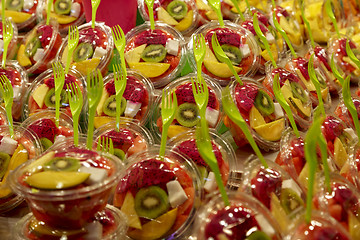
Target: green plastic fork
x,y
8,33
120,41
350,104
201,95
330,13
248,7
94,5
283,34
199,51
220,54
150,5
8,95
315,81
120,85
233,112
105,144
168,110
336,72
59,79
351,54
216,6
48,11
95,85
73,40
307,24
75,97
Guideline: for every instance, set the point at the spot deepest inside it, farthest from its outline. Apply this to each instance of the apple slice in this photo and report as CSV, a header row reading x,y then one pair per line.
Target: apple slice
x,y
340,154
186,22
39,94
271,131
220,69
134,54
128,208
22,58
256,119
165,17
150,69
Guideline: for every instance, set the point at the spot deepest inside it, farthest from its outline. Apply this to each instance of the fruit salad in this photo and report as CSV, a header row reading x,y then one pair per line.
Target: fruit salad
x,y
158,195
295,95
39,47
13,43
65,188
245,218
14,152
41,93
186,144
180,14
66,12
187,114
94,50
42,124
258,108
130,139
136,100
237,43
158,54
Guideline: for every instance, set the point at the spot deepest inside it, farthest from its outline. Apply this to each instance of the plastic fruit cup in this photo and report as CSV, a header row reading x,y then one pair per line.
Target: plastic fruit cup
x,y
13,153
136,100
98,45
130,139
353,172
245,216
42,124
141,41
107,224
343,113
12,45
74,17
3,117
185,21
41,93
158,195
185,144
187,114
67,202
232,37
24,17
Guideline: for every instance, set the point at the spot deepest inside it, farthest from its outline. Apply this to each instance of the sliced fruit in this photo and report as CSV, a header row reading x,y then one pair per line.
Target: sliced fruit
x,y
150,69
17,17
354,226
87,66
104,96
255,117
62,7
39,94
51,180
258,235
209,55
128,208
22,58
211,15
324,93
308,83
175,130
290,200
102,120
82,52
220,69
289,29
165,17
50,98
39,228
202,6
4,163
154,53
39,163
279,213
286,90
134,55
264,103
151,202
299,107
63,164
186,22
109,107
177,9
187,114
233,53
298,92
274,52
340,154
304,176
45,143
63,19
271,131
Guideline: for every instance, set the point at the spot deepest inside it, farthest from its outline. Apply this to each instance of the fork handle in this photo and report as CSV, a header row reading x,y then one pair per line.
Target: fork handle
x,y
163,139
6,45
76,128
90,132
10,120
199,65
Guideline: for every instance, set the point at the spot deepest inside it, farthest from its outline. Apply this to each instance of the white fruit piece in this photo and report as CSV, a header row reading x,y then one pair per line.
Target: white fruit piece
x,y
39,94
210,183
212,116
1,44
94,231
99,52
279,113
75,10
351,133
265,225
177,195
165,17
291,184
39,55
270,37
134,55
8,145
28,4
16,90
96,174
172,47
245,50
104,96
132,108
59,138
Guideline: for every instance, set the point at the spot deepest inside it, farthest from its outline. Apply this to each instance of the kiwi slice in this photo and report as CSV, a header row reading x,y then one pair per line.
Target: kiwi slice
x,y
119,153
154,53
258,235
187,114
321,79
45,143
233,53
50,98
264,103
32,46
14,5
151,202
62,7
177,9
83,52
4,163
63,164
290,200
109,107
298,92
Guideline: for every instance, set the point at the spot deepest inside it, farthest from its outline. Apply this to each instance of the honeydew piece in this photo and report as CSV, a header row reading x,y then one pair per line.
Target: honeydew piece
x,y
172,47
96,174
132,108
8,145
210,183
39,94
212,116
177,195
134,55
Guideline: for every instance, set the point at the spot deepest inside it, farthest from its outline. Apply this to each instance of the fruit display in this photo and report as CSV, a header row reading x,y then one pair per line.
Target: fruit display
x,y
157,54
12,45
94,50
343,113
136,100
159,195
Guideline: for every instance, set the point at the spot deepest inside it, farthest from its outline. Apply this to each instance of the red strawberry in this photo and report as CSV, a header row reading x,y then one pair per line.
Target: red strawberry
x,y
245,95
156,36
44,128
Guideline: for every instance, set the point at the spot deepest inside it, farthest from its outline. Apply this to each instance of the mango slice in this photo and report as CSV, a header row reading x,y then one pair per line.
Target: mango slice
x,y
271,131
255,117
150,69
186,22
17,17
128,208
87,66
220,69
22,58
176,130
62,19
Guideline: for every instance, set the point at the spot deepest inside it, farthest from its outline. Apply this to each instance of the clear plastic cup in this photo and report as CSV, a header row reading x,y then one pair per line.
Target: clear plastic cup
x,y
75,16
351,171
244,216
98,42
40,94
20,149
138,97
108,224
129,140
343,113
13,43
142,39
233,37
71,203
266,122
185,23
185,100
338,11
3,117
24,18
172,181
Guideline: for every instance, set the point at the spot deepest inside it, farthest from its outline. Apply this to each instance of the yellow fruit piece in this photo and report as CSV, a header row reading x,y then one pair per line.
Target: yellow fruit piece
x,y
325,93
271,131
354,226
38,227
22,58
242,6
156,228
209,55
39,94
299,106
19,157
308,83
211,15
104,96
220,69
340,154
150,69
128,208
202,6
87,66
17,17
279,213
165,17
186,22
64,55
62,19
255,117
134,54
102,120
175,130
286,90
52,180
274,52
37,165
291,30
304,176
